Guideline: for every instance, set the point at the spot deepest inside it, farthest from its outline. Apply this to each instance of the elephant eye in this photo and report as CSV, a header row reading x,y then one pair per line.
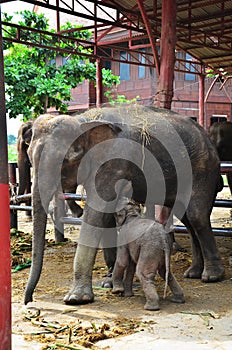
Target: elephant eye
x,y
74,153
79,151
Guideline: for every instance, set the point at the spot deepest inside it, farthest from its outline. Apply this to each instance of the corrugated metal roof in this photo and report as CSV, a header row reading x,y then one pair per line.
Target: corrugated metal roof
x,y
204,28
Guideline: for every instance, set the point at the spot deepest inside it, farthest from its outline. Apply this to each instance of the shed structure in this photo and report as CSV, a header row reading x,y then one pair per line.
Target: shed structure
x,y
201,28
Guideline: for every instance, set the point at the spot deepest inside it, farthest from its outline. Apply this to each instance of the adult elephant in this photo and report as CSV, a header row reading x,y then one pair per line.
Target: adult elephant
x,y
168,158
220,134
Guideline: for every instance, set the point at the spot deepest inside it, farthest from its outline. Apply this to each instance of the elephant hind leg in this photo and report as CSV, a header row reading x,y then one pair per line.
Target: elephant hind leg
x,y
121,264
177,291
128,279
197,265
206,260
146,277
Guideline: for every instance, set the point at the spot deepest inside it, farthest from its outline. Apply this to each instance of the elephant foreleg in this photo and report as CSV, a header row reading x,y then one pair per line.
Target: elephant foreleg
x,y
94,227
82,291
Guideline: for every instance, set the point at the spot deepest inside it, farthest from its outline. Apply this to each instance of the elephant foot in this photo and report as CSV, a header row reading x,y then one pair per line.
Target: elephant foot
x,y
107,283
79,295
180,299
213,273
59,237
193,272
118,288
128,293
152,305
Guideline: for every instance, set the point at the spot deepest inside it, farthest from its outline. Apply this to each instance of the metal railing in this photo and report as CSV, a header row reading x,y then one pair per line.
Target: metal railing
x,y
64,220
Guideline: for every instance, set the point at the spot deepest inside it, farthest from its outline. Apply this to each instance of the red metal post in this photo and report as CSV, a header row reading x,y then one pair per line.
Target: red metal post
x,y
201,99
5,257
150,34
163,97
98,83
164,94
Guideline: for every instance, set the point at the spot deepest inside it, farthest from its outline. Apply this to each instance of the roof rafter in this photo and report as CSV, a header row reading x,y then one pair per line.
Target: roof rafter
x,y
204,27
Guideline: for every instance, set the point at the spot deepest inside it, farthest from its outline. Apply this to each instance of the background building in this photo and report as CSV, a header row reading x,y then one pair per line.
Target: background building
x,y
140,82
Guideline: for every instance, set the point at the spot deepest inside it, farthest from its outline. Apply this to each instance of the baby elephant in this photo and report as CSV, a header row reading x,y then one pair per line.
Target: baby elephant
x,y
145,247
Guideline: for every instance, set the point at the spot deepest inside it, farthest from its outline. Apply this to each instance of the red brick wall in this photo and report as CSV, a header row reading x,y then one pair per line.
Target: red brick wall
x,y
185,99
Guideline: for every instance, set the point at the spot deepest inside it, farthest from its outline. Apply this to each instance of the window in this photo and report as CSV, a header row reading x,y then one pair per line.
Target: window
x,y
141,69
107,65
124,68
190,67
216,118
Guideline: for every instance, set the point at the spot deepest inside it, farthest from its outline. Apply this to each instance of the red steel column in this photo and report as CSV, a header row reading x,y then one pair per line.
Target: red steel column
x,y
5,258
201,99
163,97
98,83
164,94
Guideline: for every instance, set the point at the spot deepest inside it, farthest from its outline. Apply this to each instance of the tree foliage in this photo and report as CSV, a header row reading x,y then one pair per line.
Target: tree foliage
x,y
33,80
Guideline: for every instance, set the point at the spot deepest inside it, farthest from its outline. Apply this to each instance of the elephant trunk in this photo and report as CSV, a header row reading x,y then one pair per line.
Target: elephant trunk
x,y
38,243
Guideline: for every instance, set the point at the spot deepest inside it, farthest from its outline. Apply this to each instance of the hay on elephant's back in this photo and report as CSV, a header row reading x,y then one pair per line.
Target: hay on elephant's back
x,y
137,116
93,114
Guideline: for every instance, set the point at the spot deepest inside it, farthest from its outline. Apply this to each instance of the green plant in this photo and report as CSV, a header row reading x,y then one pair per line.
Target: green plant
x,y
118,99
12,153
33,81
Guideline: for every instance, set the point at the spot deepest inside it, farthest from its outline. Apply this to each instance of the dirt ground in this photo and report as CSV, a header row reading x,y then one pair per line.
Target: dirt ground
x,y
115,322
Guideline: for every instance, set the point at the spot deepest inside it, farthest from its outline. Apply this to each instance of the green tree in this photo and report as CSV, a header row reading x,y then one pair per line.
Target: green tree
x,y
33,81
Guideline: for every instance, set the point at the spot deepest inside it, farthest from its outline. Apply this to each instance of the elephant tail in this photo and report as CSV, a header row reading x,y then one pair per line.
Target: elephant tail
x,y
167,252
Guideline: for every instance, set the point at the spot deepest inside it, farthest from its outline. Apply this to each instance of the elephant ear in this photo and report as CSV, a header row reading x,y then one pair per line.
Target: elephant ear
x,y
99,131
27,132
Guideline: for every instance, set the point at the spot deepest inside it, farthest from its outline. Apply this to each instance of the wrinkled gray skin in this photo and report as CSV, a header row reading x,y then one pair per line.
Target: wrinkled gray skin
x,y
24,166
117,125
147,251
221,135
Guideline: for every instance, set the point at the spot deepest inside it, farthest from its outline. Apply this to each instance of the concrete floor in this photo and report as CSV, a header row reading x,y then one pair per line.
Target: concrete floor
x,y
174,331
